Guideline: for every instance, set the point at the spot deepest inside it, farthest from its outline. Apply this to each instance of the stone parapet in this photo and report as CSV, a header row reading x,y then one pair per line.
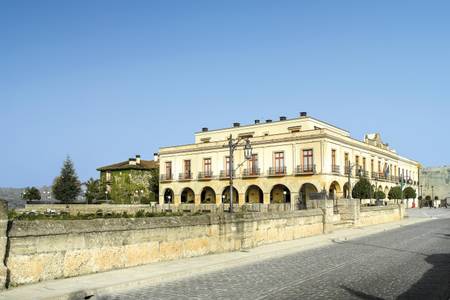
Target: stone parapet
x,y
50,249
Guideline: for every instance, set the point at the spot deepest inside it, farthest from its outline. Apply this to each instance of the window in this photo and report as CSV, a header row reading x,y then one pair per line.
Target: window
x,y
364,164
333,157
108,176
187,169
227,166
379,166
279,162
308,160
168,169
253,165
357,161
347,164
207,167
371,165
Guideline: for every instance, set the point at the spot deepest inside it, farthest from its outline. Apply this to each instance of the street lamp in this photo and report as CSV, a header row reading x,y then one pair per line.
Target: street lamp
x,y
284,196
223,198
232,145
169,197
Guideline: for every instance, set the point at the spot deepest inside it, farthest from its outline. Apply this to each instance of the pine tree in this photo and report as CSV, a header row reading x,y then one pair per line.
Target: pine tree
x,y
66,187
31,194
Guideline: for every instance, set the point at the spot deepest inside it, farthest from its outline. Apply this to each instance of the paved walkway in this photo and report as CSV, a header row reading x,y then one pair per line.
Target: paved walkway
x,y
118,280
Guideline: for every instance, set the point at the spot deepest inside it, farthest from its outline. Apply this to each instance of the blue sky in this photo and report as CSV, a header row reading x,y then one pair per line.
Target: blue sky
x,y
104,80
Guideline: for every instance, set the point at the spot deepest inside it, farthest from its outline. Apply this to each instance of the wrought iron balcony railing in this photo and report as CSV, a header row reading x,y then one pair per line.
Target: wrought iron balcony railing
x,y
166,177
305,169
278,171
205,175
185,176
252,172
226,174
335,169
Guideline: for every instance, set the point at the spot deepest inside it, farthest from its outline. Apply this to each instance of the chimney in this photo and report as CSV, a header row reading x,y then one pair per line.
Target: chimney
x,y
155,156
132,161
256,121
138,159
282,118
236,124
204,129
303,114
269,121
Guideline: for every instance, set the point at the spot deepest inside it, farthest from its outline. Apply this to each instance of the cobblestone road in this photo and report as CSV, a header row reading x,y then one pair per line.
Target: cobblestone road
x,y
411,262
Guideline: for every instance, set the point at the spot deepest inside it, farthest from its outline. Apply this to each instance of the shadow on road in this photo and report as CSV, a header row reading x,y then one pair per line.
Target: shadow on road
x,y
434,284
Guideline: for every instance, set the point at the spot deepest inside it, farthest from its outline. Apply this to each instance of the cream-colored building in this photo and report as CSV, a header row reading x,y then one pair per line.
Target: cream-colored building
x,y
293,160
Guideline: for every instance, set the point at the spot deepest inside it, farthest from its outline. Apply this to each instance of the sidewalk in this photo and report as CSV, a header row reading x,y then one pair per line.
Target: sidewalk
x,y
84,286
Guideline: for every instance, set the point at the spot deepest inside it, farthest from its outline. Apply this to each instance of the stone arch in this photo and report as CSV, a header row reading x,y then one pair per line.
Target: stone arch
x,y
254,194
305,193
168,195
187,195
386,190
334,191
208,195
226,195
280,194
380,188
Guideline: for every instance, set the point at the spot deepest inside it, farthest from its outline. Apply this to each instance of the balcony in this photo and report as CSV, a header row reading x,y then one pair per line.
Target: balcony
x,y
166,177
363,173
374,175
225,174
185,176
205,175
347,170
279,171
251,173
335,169
305,170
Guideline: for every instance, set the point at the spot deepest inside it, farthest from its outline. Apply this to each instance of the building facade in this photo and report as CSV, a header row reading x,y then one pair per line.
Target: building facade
x,y
435,182
128,181
292,159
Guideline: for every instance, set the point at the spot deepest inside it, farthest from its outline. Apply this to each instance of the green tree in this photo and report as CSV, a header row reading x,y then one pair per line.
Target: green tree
x,y
380,195
395,193
31,194
154,184
92,189
362,189
409,193
66,187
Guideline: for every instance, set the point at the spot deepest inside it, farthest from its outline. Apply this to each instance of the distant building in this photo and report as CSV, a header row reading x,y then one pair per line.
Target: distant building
x,y
435,181
128,181
292,160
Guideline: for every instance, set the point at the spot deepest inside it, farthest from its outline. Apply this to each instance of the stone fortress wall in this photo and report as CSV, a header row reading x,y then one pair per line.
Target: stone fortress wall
x,y
49,249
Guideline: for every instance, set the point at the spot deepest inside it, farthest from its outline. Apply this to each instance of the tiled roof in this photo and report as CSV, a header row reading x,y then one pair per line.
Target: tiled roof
x,y
125,165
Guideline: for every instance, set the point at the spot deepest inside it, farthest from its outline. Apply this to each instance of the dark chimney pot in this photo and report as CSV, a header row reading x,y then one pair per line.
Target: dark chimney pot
x,y
269,121
256,121
303,114
282,118
204,129
236,124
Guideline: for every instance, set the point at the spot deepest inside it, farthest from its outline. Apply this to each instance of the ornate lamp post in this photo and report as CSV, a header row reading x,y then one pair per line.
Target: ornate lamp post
x,y
232,145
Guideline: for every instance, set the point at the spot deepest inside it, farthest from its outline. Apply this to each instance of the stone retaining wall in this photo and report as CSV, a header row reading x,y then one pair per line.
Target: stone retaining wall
x,y
380,214
48,249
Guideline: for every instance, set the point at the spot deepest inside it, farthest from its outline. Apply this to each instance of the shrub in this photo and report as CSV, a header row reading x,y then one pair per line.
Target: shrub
x,y
395,193
362,189
380,195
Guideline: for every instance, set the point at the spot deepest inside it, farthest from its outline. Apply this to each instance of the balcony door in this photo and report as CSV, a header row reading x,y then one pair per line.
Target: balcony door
x,y
279,162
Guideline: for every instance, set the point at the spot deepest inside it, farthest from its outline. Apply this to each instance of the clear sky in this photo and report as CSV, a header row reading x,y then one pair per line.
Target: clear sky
x,y
102,81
